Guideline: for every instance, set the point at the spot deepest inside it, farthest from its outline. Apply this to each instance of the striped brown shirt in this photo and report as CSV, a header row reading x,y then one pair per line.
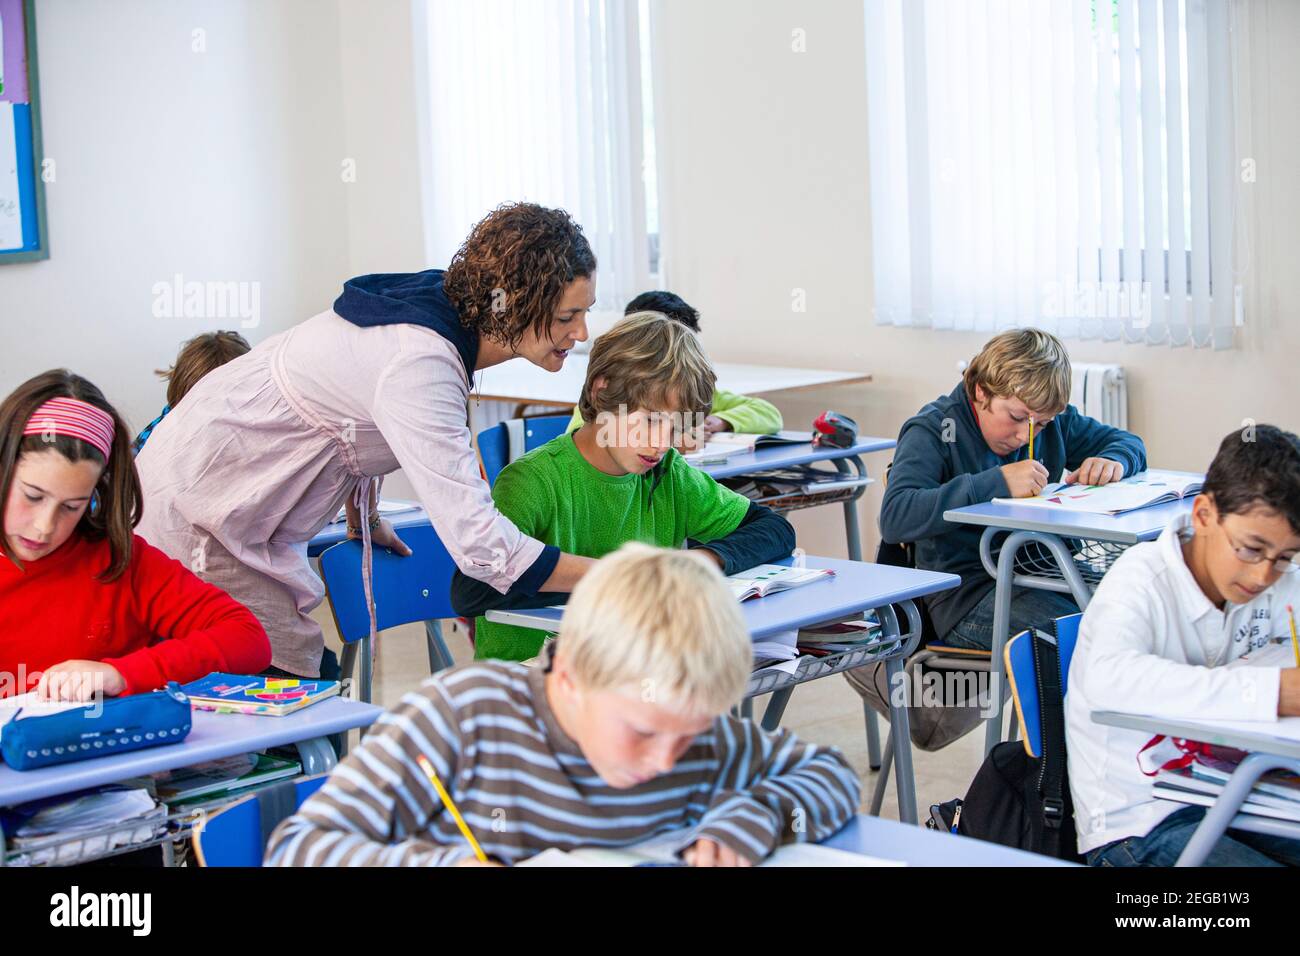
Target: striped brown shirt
x,y
523,785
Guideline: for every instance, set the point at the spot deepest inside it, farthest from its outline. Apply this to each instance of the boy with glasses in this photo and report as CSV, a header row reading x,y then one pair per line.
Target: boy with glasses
x,y
1157,638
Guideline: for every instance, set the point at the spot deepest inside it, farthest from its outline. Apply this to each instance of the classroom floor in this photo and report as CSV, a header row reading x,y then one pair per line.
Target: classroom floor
x,y
825,711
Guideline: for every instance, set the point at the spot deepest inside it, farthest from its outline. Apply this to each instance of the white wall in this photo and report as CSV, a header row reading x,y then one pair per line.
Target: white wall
x,y
221,165
767,192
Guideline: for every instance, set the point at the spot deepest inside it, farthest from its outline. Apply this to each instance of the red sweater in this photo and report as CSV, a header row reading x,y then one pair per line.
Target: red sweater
x,y
155,623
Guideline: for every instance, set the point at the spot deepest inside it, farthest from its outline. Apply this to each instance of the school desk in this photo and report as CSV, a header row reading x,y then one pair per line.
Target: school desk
x,y
856,588
1053,550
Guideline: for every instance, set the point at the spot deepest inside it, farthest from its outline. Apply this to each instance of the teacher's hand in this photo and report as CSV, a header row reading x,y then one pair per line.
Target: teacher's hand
x,y
385,537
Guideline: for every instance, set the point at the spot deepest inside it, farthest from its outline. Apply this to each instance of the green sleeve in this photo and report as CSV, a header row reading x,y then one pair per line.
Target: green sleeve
x,y
751,416
711,510
575,422
521,494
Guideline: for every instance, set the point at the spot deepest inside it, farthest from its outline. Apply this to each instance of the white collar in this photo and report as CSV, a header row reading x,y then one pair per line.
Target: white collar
x,y
1190,596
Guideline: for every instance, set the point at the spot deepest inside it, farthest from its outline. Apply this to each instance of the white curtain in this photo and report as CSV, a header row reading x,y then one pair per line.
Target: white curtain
x,y
536,101
1065,164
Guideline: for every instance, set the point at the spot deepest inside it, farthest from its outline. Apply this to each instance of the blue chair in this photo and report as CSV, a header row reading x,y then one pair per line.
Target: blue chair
x,y
236,835
406,590
501,444
1018,656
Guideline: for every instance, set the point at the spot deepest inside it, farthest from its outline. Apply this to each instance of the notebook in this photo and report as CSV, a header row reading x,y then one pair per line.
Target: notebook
x,y
1140,491
268,696
722,445
768,579
661,851
221,776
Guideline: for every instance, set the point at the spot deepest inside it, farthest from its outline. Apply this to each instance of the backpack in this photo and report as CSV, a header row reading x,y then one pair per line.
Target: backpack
x,y
1018,800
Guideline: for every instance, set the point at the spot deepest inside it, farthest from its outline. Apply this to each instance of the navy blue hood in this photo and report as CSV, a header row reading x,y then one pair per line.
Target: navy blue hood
x,y
387,298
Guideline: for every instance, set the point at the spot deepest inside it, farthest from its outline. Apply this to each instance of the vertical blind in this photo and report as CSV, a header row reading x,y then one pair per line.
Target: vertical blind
x,y
537,101
1065,164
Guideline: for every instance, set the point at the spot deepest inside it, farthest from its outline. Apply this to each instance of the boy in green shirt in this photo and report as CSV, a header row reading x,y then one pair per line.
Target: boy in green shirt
x,y
618,478
730,412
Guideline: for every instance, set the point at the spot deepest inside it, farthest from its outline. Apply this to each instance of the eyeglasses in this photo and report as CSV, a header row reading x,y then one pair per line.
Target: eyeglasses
x,y
1253,556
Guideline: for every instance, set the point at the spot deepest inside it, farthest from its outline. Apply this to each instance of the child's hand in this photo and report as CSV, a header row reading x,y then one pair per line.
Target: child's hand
x,y
709,853
80,681
1096,471
474,861
1025,478
713,424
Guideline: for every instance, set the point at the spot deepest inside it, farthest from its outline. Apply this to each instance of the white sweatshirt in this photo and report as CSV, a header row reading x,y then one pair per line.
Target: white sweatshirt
x,y
1151,642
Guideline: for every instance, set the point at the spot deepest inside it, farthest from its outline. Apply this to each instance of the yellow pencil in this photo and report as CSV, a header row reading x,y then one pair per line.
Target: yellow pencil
x,y
1031,438
1295,644
451,807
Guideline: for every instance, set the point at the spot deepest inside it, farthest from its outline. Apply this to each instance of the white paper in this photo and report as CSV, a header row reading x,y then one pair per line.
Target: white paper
x,y
11,221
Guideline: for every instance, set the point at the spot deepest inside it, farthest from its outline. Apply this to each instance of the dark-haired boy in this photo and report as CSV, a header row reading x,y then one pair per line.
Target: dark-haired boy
x,y
1157,636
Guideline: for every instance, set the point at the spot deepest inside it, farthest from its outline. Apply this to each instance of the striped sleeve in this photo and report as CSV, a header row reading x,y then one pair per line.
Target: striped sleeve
x,y
377,803
773,789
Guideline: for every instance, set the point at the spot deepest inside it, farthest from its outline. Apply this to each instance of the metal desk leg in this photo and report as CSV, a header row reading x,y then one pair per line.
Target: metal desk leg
x,y
439,656
747,708
869,717
1215,822
317,755
900,730
776,707
1006,579
882,782
851,506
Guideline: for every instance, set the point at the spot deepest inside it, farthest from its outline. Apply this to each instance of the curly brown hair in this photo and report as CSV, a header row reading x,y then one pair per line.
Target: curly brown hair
x,y
510,273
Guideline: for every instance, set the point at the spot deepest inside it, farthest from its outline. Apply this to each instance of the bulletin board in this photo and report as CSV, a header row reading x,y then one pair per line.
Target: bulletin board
x,y
22,186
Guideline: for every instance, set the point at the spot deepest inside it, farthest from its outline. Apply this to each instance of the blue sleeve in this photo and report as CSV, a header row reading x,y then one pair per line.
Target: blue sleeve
x,y
763,536
1086,437
916,496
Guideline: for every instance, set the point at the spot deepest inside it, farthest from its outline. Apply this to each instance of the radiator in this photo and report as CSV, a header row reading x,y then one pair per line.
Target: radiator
x,y
1099,391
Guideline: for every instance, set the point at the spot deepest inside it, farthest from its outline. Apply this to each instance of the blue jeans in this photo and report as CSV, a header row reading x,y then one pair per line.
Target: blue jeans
x,y
1162,846
1030,607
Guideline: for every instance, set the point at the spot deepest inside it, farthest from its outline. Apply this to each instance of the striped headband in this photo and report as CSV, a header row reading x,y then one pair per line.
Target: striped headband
x,y
76,419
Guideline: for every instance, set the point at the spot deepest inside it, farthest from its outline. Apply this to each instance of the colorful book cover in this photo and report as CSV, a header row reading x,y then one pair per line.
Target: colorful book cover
x,y
242,694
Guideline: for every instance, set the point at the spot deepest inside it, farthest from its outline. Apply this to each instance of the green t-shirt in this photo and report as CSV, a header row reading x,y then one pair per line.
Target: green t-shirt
x,y
556,496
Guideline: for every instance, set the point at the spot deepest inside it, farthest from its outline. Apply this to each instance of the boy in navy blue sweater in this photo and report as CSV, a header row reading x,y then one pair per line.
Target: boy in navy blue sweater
x,y
970,447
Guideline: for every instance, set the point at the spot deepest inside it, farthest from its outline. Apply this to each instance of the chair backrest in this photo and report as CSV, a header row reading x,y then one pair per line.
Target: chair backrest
x,y
406,590
501,444
234,835
1019,658
904,556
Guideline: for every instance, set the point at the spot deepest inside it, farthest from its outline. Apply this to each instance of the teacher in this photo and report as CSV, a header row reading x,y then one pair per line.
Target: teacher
x,y
264,450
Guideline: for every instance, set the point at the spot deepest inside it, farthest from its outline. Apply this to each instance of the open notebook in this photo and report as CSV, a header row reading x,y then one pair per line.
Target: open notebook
x,y
1140,491
661,851
723,445
770,578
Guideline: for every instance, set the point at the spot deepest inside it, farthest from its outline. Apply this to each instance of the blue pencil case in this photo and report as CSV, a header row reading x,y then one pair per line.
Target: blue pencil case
x,y
114,725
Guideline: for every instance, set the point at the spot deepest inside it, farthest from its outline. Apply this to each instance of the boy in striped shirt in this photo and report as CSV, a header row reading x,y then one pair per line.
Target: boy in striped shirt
x,y
622,735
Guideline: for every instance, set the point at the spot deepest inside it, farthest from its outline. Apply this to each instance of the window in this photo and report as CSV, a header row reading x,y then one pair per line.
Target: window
x,y
1066,164
547,102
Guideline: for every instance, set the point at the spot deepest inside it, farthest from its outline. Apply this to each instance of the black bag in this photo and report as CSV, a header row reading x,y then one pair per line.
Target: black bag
x,y
1021,801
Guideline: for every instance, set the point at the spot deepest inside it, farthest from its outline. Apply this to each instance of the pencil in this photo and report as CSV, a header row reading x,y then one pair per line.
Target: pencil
x,y
451,808
1295,644
1031,438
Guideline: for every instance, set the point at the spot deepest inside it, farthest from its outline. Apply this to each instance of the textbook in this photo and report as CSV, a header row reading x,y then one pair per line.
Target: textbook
x,y
722,445
221,776
1181,787
770,578
1142,490
270,696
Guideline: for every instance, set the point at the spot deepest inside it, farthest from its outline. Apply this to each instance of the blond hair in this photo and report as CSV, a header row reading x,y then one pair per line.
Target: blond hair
x,y
647,361
1028,364
663,622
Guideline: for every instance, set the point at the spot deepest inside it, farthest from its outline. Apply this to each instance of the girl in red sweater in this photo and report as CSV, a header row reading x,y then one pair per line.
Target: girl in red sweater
x,y
86,606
